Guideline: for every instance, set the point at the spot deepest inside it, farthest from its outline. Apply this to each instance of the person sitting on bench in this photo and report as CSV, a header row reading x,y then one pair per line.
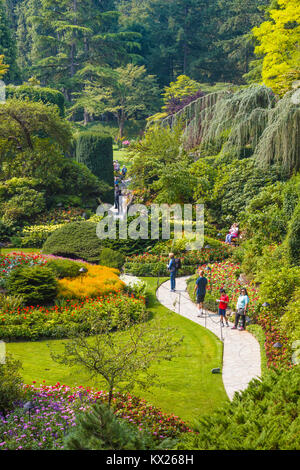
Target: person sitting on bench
x,y
233,233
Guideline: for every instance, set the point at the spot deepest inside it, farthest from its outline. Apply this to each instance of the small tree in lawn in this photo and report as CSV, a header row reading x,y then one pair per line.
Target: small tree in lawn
x,y
123,357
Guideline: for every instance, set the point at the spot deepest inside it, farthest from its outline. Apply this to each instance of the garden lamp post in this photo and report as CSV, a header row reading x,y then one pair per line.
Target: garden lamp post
x,y
82,271
28,407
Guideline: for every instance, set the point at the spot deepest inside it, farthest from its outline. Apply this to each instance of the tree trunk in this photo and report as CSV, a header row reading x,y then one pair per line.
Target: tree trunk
x,y
86,117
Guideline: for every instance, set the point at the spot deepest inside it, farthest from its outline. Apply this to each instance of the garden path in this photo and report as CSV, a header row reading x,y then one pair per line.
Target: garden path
x,y
124,202
241,352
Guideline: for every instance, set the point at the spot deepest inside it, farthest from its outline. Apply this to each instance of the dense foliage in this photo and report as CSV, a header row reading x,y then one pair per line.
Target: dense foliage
x,y
263,417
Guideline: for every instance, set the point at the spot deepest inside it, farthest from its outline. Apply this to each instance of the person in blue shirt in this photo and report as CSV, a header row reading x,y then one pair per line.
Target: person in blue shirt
x,y
241,309
200,289
172,269
124,171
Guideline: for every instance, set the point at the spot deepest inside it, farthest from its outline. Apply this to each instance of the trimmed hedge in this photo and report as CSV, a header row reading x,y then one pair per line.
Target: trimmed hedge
x,y
96,152
111,258
64,268
75,240
37,93
36,284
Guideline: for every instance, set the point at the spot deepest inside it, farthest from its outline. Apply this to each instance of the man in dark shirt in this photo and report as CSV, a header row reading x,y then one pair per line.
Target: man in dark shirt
x,y
200,289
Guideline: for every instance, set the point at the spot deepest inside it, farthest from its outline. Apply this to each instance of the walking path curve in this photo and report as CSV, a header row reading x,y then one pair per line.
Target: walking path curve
x,y
241,352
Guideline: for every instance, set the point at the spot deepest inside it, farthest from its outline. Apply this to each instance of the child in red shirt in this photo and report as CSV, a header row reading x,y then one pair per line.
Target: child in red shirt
x,y
223,304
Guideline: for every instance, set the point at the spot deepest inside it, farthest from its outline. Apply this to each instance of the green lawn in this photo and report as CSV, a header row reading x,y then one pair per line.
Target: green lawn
x,y
187,386
122,157
5,251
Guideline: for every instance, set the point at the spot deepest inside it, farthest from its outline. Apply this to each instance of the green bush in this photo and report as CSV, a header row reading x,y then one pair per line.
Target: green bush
x,y
36,284
96,152
75,240
111,258
11,389
100,429
278,287
20,200
5,231
293,239
64,268
37,93
263,417
290,322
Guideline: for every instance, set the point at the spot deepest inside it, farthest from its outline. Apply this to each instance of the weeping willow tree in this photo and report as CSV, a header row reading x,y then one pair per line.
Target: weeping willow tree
x,y
243,115
280,141
193,116
253,121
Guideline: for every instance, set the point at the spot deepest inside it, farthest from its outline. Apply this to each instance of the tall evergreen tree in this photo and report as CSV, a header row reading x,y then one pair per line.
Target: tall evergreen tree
x,y
8,46
66,35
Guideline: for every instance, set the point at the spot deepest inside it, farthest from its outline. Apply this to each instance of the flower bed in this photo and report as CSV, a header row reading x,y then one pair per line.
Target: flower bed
x,y
153,265
33,323
55,409
98,280
16,260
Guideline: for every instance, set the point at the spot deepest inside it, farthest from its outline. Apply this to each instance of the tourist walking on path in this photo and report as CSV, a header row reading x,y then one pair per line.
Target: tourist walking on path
x,y
117,197
172,269
120,201
223,304
200,289
241,309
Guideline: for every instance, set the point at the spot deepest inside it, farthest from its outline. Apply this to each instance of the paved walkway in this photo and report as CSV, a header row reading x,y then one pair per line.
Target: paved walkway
x,y
241,354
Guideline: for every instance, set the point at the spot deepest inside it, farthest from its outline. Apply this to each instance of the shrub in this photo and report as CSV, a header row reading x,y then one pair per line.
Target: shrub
x,y
37,93
278,286
36,235
10,384
64,268
100,429
293,239
96,152
74,240
5,231
111,258
36,284
263,417
290,321
23,207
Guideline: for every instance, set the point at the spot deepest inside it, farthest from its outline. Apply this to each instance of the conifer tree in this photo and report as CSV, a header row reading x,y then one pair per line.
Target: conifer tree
x,y
8,46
